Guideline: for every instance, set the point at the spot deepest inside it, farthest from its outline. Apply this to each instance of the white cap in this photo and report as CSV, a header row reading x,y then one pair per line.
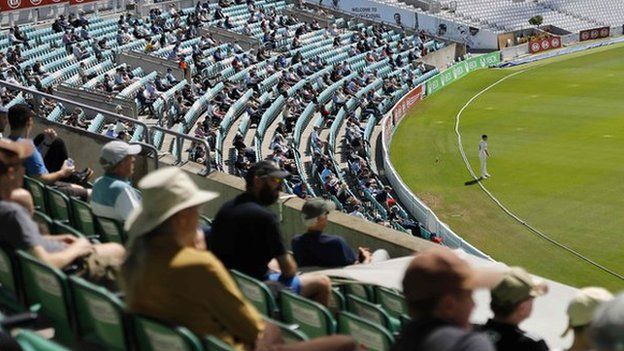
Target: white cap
x,y
115,151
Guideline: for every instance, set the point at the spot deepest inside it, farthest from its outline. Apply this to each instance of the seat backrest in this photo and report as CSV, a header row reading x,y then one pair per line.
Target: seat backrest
x,y
59,205
59,227
110,230
313,318
82,217
100,318
392,301
44,220
10,286
256,292
47,286
31,341
290,332
373,336
368,311
37,190
363,291
337,300
153,335
212,343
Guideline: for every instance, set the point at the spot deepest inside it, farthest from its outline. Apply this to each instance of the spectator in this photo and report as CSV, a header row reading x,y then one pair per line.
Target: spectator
x,y
21,122
54,153
20,232
606,331
166,257
245,220
438,288
3,120
113,196
314,248
512,303
580,312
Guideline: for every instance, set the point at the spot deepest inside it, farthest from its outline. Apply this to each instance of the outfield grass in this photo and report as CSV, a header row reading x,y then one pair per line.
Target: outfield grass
x,y
556,136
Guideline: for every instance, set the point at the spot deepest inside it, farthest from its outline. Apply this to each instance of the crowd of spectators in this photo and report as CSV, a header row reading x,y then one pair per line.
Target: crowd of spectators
x,y
167,249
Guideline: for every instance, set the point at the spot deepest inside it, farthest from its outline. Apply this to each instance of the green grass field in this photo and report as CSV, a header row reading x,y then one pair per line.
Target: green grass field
x,y
556,137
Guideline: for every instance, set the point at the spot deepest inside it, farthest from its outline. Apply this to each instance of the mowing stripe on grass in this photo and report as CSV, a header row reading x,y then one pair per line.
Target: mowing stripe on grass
x,y
498,202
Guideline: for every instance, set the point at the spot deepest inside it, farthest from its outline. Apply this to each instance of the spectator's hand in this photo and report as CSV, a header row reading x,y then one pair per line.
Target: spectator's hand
x,y
67,169
82,246
49,135
365,255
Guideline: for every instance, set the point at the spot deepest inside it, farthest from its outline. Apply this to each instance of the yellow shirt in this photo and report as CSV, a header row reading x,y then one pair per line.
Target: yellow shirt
x,y
192,288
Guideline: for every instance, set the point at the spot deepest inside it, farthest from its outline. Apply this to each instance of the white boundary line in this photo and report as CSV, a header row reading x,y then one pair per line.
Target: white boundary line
x,y
498,202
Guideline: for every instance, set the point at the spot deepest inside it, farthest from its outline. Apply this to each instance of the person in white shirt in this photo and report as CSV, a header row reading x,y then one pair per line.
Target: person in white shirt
x,y
483,156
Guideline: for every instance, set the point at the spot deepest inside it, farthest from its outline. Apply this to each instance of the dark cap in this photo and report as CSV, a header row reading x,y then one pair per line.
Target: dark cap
x,y
439,271
316,207
265,169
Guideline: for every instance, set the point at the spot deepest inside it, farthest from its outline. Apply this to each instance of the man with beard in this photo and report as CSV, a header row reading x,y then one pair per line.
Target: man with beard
x,y
246,236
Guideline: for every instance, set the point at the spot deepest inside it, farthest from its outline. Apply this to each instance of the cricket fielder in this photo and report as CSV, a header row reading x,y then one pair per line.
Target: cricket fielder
x,y
483,156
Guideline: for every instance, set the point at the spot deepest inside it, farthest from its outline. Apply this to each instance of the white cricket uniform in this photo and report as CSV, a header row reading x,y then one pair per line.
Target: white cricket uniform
x,y
483,156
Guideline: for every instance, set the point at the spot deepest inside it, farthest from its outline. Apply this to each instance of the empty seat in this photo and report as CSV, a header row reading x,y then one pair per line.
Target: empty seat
x,y
313,318
371,335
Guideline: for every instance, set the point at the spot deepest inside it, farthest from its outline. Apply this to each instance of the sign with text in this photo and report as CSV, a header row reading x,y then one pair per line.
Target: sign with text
x,y
461,69
544,44
12,5
596,33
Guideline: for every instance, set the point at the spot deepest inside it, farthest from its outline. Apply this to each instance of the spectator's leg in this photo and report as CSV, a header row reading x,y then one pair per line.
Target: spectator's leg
x,y
316,287
380,256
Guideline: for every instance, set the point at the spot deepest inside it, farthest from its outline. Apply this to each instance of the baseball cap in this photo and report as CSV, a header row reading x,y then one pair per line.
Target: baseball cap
x,y
517,285
582,307
439,270
606,330
115,151
316,207
265,169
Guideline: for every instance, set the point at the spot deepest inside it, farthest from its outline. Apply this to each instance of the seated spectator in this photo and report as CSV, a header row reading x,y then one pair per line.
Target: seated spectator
x,y
96,262
21,122
512,303
113,196
166,255
3,120
580,312
315,248
438,288
606,331
245,219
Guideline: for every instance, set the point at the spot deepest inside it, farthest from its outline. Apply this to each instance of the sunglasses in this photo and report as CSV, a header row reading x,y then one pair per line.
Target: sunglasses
x,y
274,179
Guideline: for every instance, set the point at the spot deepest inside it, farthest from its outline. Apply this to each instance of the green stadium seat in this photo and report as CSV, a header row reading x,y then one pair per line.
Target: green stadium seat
x,y
404,319
364,291
31,341
372,312
205,220
37,190
153,335
212,343
337,301
392,301
48,287
110,230
59,227
100,318
373,336
82,217
256,292
44,221
11,294
59,205
313,318
290,332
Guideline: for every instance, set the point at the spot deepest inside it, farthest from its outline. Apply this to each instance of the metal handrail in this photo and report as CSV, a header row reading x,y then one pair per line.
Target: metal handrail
x,y
115,116
151,148
179,137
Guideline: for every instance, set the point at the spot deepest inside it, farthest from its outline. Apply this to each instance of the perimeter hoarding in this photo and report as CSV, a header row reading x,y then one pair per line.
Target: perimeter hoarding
x,y
544,44
460,69
596,33
12,5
